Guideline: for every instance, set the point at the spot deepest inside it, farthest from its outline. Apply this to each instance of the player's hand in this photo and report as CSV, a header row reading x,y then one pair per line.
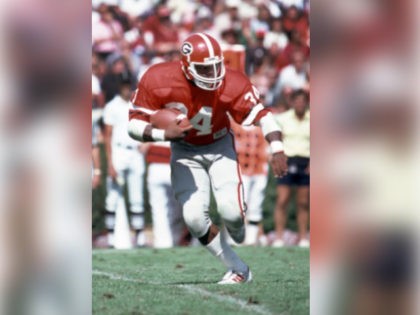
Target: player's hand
x,y
279,164
174,132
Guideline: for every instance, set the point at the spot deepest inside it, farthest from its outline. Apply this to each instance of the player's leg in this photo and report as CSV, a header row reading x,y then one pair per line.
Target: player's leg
x,y
192,189
254,203
228,191
280,212
135,177
157,180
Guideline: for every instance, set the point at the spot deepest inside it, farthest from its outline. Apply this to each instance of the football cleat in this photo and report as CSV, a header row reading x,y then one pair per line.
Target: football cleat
x,y
233,277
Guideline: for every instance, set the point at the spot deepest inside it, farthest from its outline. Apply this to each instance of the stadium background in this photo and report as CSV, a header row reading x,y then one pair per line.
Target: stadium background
x,y
258,37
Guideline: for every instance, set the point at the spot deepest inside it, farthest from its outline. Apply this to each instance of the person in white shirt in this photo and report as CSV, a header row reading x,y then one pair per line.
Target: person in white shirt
x,y
293,76
295,129
125,165
276,36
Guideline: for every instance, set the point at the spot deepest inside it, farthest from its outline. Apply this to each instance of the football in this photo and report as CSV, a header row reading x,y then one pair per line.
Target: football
x,y
162,118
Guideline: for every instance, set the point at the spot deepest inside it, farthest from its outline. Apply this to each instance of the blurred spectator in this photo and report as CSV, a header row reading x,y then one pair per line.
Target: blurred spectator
x,y
295,129
132,59
121,16
160,26
264,77
296,43
292,77
97,96
229,19
205,22
256,54
125,164
185,12
106,34
168,224
261,23
96,160
230,37
99,67
137,8
96,3
288,3
276,36
295,20
118,70
135,35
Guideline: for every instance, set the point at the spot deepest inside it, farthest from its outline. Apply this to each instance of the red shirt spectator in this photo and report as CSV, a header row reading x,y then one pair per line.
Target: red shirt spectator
x,y
297,43
296,20
161,26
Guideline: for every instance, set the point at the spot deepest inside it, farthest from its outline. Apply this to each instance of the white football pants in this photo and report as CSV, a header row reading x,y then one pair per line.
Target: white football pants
x,y
196,170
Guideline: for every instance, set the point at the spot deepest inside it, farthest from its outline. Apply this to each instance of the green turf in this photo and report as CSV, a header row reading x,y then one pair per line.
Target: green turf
x,y
182,281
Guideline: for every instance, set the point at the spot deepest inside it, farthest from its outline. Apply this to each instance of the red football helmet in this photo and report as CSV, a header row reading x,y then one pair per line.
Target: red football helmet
x,y
202,61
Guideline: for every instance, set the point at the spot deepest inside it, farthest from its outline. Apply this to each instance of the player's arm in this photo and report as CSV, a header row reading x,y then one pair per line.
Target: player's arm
x,y
142,130
247,110
144,103
273,135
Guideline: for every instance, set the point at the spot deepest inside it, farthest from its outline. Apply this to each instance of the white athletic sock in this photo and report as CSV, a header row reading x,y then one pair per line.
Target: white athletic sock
x,y
221,249
251,234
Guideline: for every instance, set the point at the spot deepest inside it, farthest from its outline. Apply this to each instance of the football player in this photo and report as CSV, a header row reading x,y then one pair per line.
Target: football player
x,y
203,155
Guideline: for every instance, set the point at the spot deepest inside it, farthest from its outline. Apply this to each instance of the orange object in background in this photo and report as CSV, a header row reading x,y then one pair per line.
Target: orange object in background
x,y
234,56
251,148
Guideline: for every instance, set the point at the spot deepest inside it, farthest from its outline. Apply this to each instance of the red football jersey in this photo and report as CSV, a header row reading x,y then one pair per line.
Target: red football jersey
x,y
164,85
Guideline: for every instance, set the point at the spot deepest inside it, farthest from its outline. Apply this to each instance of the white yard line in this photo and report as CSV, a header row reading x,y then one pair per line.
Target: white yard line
x,y
256,309
114,276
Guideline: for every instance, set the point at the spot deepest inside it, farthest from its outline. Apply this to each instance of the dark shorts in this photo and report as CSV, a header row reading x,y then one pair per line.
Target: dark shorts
x,y
296,175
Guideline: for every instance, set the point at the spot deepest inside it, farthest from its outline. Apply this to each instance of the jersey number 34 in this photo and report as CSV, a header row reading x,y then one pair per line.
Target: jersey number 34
x,y
202,121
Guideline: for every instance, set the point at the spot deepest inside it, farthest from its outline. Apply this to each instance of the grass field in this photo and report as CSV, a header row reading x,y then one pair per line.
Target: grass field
x,y
182,281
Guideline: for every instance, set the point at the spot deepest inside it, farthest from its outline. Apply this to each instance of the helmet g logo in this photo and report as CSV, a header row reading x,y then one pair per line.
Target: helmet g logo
x,y
186,49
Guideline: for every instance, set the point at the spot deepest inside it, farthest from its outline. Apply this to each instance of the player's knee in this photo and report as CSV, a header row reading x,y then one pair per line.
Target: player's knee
x,y
196,221
231,212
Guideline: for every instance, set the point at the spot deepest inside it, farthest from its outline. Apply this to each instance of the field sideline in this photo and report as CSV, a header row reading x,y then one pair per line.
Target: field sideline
x,y
182,281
